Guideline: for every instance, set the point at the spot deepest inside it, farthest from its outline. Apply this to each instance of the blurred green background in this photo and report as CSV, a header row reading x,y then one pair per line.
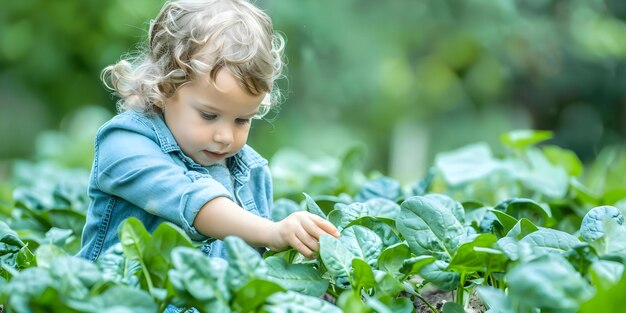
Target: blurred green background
x,y
406,79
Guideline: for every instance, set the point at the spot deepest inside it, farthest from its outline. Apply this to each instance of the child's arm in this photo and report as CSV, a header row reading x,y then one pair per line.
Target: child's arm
x,y
221,217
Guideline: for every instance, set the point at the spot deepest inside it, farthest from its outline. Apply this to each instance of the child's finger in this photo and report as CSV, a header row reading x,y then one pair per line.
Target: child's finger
x,y
308,240
302,248
325,225
312,228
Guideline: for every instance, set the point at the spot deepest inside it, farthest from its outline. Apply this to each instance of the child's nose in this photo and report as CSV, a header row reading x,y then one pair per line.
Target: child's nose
x,y
224,135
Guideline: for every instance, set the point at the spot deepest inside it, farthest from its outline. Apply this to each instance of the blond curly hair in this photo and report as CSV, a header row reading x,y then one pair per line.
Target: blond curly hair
x,y
193,37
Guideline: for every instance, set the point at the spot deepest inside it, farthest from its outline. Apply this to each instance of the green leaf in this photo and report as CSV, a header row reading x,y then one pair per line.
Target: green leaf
x,y
473,218
74,267
606,300
158,249
25,286
350,174
9,237
294,171
50,300
549,283
382,208
414,265
381,187
507,221
134,236
605,274
328,203
290,301
362,275
45,254
57,236
592,226
66,219
253,294
284,207
437,273
336,256
581,256
200,280
343,215
524,138
479,255
312,207
564,158
115,267
245,263
548,240
429,227
392,258
521,229
381,227
449,203
422,186
612,244
495,299
377,305
351,302
302,278
452,307
466,164
25,258
401,305
362,243
510,246
119,299
388,304
71,277
543,177
336,218
387,285
525,208
583,193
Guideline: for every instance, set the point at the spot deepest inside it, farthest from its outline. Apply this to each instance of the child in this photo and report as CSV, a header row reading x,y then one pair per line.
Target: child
x,y
177,151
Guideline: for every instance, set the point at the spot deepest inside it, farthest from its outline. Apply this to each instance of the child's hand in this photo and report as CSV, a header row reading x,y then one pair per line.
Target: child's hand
x,y
300,230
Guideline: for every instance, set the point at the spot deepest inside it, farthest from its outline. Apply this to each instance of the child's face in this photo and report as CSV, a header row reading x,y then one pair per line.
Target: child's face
x,y
211,122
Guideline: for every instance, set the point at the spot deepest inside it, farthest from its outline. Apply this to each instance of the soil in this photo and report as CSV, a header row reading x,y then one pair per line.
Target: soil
x,y
438,298
326,297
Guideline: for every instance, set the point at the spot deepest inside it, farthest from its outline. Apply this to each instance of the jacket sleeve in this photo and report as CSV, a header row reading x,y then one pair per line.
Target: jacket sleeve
x,y
269,192
132,166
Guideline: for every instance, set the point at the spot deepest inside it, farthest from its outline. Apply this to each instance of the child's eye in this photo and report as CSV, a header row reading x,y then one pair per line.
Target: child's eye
x,y
242,121
208,116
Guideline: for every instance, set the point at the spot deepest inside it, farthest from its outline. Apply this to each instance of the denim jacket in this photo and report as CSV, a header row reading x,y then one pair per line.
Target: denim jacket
x,y
140,171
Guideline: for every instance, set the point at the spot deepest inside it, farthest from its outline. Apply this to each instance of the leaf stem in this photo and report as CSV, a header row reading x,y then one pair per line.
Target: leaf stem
x,y
331,290
461,290
432,308
408,287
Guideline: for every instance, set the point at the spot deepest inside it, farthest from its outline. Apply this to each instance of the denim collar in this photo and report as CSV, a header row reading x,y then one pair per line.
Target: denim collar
x,y
239,164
